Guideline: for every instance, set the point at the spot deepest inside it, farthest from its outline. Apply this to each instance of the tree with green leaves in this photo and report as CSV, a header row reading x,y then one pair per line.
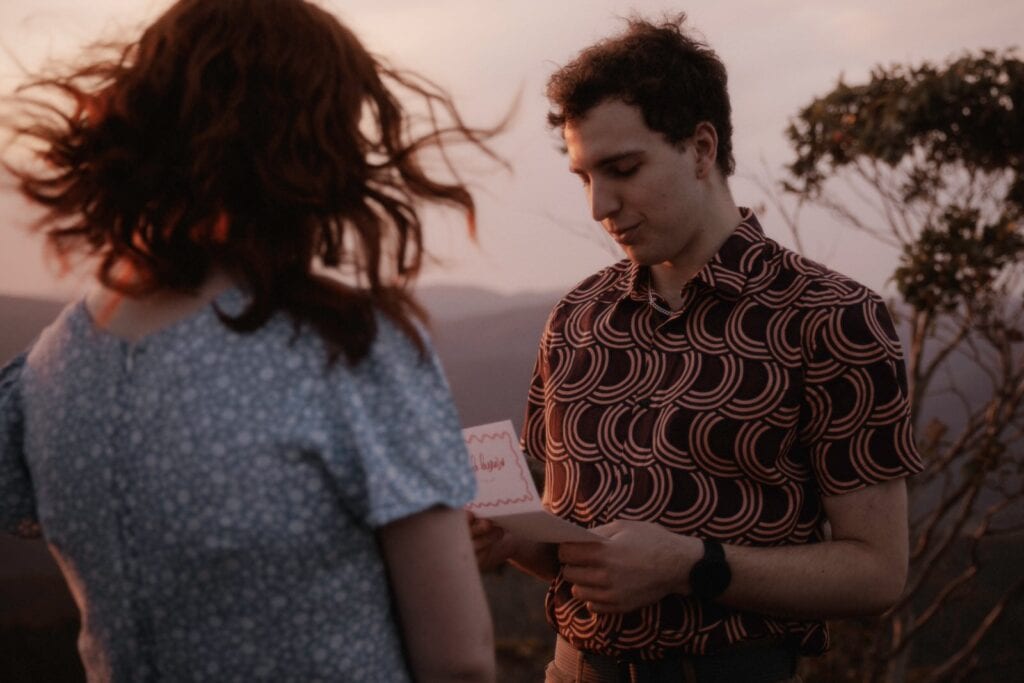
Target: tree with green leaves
x,y
930,161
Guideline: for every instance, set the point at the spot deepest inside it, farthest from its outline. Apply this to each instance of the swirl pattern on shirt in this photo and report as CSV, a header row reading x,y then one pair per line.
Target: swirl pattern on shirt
x,y
776,382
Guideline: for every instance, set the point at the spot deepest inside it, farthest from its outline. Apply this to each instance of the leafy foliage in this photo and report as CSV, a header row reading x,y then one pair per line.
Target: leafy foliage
x,y
959,258
929,160
970,112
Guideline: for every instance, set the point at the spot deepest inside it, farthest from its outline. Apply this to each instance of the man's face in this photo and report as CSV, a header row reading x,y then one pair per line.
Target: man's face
x,y
643,190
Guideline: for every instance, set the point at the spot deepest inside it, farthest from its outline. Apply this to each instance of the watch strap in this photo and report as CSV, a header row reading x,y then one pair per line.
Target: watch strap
x,y
710,575
713,551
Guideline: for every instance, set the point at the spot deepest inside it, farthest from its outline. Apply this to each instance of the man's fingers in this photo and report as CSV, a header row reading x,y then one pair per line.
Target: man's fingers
x,y
579,553
476,525
606,530
598,602
590,594
592,577
605,608
484,527
480,530
487,538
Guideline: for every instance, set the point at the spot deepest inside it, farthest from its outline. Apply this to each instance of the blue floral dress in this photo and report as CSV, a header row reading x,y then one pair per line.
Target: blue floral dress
x,y
212,497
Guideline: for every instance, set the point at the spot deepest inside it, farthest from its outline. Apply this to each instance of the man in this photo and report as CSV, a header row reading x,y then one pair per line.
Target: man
x,y
730,416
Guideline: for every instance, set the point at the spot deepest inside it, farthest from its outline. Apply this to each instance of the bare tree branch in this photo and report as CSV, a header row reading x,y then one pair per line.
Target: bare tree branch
x,y
957,659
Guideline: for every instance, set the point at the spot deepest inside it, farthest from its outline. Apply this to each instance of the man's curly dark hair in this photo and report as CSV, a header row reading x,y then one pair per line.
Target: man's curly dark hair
x,y
676,80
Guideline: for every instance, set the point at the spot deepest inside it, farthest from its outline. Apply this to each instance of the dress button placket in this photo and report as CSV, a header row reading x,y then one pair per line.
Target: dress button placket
x,y
121,464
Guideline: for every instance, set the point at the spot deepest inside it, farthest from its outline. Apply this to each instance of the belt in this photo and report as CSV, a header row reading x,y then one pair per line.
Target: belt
x,y
755,662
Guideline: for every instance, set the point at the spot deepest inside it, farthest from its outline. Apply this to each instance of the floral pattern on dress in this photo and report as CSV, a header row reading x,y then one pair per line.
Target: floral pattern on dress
x,y
212,497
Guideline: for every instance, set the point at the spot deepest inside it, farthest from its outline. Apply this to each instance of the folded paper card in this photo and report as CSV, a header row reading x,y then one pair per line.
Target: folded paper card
x,y
506,493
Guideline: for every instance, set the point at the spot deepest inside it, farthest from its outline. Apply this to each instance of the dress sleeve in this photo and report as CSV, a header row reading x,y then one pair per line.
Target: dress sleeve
x,y
17,502
403,433
856,416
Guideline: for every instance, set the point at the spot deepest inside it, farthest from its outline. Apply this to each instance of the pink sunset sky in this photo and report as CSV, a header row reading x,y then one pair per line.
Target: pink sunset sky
x,y
534,227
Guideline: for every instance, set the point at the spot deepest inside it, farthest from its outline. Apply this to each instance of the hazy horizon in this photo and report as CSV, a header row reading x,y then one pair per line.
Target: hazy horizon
x,y
534,230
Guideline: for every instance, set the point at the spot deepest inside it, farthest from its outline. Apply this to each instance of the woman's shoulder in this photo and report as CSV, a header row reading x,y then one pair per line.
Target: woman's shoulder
x,y
70,330
10,378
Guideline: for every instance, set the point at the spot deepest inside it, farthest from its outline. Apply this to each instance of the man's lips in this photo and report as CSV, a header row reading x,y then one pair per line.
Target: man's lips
x,y
625,235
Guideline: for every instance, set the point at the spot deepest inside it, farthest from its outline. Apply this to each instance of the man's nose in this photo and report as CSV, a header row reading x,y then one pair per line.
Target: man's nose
x,y
604,201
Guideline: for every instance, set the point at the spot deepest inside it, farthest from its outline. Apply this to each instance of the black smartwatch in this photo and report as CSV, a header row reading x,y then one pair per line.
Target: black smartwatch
x,y
711,575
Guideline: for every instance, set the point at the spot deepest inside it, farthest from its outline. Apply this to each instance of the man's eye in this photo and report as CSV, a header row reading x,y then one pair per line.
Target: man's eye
x,y
625,171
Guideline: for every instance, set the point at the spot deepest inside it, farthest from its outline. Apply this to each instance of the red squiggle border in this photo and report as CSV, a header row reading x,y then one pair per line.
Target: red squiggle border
x,y
506,438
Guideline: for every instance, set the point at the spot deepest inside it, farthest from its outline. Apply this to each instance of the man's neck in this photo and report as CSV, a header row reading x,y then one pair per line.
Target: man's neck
x,y
669,278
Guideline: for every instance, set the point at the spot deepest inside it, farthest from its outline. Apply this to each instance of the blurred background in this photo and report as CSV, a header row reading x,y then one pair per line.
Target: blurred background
x,y
963,615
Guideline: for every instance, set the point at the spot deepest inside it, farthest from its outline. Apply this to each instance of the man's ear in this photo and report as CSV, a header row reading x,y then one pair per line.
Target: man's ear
x,y
705,146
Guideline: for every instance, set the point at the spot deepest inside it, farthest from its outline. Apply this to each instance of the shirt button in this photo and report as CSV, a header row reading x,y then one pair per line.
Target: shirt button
x,y
643,403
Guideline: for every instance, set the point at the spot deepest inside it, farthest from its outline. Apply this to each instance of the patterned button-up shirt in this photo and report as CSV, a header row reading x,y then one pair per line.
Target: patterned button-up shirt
x,y
775,383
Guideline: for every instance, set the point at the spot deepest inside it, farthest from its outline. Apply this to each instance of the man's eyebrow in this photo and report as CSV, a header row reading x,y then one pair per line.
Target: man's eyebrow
x,y
609,160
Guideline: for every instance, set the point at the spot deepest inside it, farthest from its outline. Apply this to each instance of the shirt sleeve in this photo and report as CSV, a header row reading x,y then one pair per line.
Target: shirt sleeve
x,y
856,417
17,501
403,432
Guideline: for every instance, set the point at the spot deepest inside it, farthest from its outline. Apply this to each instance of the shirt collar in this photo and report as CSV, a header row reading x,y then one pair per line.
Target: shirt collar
x,y
727,272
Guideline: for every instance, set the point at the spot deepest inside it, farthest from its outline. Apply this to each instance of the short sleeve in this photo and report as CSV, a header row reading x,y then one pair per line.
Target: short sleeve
x,y
405,433
17,501
856,416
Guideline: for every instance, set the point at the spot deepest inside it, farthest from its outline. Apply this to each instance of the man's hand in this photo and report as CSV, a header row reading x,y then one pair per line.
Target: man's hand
x,y
492,544
638,565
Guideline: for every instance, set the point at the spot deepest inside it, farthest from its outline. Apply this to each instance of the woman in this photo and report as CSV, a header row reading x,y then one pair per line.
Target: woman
x,y
246,468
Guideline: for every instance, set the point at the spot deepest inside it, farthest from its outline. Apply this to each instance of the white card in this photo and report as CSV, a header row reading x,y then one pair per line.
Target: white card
x,y
505,490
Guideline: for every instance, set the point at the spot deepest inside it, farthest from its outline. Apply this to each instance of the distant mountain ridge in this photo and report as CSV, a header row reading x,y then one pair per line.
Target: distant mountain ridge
x,y
455,302
21,318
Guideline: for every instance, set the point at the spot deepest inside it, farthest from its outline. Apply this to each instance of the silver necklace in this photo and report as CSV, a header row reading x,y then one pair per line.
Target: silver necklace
x,y
654,304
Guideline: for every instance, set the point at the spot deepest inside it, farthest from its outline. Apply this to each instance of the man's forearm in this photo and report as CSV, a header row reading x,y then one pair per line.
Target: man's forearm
x,y
862,570
822,580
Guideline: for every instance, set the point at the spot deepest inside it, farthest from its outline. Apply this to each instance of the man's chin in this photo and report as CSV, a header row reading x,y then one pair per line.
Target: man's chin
x,y
640,258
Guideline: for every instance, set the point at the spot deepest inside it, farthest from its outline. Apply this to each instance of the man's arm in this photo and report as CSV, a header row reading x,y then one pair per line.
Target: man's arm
x,y
861,570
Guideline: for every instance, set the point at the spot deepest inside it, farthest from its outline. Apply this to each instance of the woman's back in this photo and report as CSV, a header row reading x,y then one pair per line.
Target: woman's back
x,y
212,496
225,493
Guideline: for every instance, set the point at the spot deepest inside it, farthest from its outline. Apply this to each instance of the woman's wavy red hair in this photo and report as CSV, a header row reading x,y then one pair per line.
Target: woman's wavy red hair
x,y
254,136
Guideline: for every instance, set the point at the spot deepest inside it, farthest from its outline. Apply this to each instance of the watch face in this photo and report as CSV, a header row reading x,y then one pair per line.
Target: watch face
x,y
711,575
716,577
